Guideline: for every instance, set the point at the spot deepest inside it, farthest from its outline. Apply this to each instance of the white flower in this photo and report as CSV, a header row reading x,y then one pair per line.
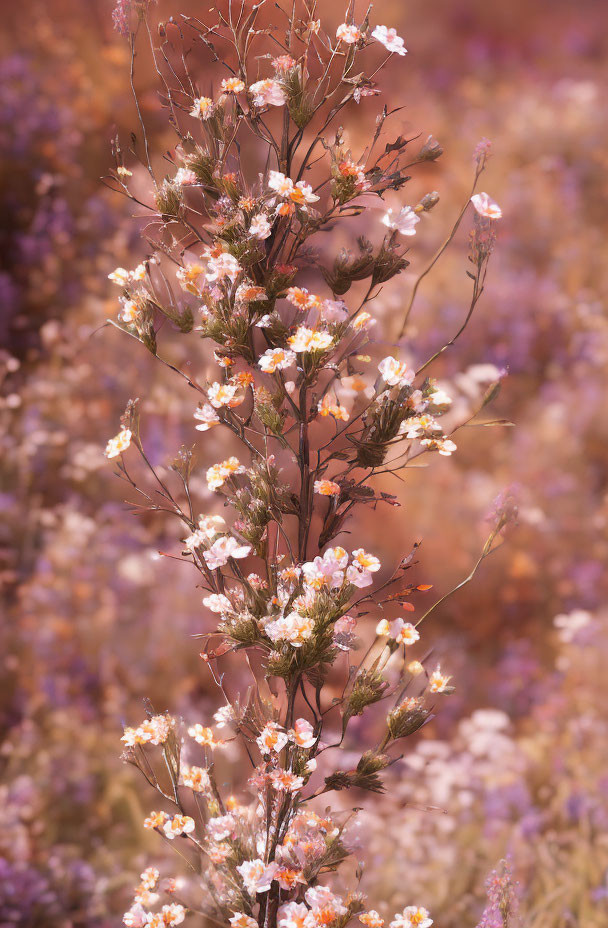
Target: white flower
x,y
280,183
202,107
220,827
207,416
178,825
217,474
209,526
232,85
149,877
403,632
302,193
222,549
136,917
486,206
302,734
371,919
396,373
334,311
569,624
140,272
443,445
326,570
120,276
225,394
221,266
185,177
326,487
118,444
310,340
260,226
129,312
415,426
292,915
241,920
173,914
217,602
271,739
224,715
413,916
362,321
438,681
285,781
358,577
267,93
196,779
276,359
439,397
405,223
257,877
203,735
344,632
360,571
294,628
350,35
322,900
389,38
190,277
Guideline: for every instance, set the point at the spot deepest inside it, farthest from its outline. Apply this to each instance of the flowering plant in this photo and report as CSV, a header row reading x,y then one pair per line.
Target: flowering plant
x,y
236,260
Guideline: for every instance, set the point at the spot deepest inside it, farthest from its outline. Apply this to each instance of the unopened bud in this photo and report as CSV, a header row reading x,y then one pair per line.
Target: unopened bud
x,y
429,200
431,150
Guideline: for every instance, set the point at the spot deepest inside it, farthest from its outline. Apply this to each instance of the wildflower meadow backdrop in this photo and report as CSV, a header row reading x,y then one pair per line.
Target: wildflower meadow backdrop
x,y
381,400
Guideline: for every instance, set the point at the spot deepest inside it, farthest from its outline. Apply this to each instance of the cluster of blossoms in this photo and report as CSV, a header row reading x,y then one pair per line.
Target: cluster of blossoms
x,y
154,730
148,894
320,413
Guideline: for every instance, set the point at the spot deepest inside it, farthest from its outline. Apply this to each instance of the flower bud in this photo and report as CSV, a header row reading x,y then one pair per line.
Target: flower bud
x,y
431,150
407,718
429,200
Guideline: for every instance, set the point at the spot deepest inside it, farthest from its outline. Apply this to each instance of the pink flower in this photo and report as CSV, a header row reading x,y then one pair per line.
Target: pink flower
x,y
276,359
224,394
486,206
327,488
207,416
389,38
413,916
178,825
185,177
405,222
267,93
136,917
302,734
292,915
283,63
241,920
438,681
286,782
272,739
118,444
256,876
223,549
350,35
173,914
396,373
260,226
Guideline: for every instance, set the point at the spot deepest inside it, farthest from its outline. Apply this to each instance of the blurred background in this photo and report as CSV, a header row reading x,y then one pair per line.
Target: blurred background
x,y
96,619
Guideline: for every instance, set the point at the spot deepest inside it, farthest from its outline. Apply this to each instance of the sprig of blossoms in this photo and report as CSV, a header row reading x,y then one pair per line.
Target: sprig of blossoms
x,y
297,381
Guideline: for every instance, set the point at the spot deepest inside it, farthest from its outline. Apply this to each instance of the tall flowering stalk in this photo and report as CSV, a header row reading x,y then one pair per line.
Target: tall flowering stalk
x,y
237,258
